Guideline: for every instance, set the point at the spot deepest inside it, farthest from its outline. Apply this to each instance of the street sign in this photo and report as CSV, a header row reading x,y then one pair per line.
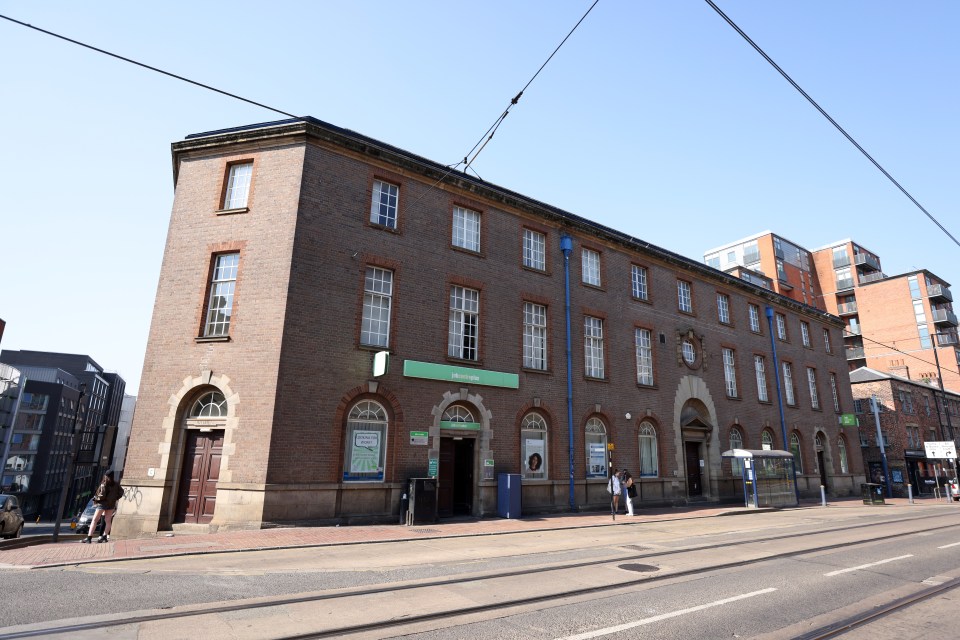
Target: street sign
x,y
419,437
848,420
940,450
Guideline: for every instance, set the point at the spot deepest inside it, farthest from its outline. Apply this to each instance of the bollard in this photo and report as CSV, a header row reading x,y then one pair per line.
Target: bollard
x,y
910,493
823,496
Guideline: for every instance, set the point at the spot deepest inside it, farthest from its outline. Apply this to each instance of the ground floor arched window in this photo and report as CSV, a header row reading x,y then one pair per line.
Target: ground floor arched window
x,y
649,462
766,440
596,439
365,448
842,452
736,442
533,444
795,450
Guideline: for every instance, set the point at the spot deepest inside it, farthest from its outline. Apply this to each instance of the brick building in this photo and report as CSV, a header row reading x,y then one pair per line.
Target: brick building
x,y
297,252
910,414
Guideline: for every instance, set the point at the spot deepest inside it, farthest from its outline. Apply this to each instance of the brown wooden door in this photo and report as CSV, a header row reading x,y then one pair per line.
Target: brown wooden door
x,y
694,487
198,479
445,471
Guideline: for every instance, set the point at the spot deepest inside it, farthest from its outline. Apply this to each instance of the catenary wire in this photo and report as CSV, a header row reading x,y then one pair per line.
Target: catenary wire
x,y
831,120
146,66
906,353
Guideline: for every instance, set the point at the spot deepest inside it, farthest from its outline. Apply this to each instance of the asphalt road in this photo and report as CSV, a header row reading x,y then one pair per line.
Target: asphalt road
x,y
692,582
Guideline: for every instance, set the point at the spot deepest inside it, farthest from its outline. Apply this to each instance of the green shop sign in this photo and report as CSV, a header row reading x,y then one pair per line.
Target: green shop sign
x,y
469,426
848,420
462,375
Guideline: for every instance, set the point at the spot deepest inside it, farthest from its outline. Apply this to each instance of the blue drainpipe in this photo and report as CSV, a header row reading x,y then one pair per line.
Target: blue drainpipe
x,y
566,246
776,376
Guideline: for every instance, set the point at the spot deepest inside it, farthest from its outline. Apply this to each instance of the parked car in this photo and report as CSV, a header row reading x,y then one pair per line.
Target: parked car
x,y
11,517
85,517
954,488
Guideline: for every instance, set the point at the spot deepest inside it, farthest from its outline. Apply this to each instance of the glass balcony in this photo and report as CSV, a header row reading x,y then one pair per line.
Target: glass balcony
x,y
846,283
942,316
751,258
871,277
847,309
939,291
855,353
841,261
866,261
850,332
947,340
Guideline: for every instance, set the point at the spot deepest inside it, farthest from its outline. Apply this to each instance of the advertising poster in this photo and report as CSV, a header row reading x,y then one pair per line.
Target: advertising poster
x,y
597,460
365,455
535,457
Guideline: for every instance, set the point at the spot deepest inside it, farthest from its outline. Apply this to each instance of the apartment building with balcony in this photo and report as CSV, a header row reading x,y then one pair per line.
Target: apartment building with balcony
x,y
786,266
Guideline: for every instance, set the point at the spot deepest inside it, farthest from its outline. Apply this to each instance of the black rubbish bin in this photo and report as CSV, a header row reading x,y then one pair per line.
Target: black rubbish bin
x,y
423,501
871,493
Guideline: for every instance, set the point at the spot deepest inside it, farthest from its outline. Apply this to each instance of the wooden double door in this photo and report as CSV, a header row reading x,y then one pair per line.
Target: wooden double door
x,y
197,499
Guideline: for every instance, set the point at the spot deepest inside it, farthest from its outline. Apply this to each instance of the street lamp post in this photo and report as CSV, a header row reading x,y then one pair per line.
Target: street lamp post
x,y
71,464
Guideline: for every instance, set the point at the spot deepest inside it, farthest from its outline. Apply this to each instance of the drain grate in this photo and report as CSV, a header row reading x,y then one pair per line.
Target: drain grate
x,y
425,530
641,568
635,547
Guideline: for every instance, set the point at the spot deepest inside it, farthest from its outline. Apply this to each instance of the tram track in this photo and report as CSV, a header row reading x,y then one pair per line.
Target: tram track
x,y
540,570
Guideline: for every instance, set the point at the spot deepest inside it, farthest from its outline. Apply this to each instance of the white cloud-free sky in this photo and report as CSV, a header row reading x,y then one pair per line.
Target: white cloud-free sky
x,y
655,118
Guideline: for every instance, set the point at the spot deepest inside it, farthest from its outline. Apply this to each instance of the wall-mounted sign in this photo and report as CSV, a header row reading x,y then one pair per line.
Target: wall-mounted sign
x,y
460,375
468,426
488,469
419,437
940,450
848,420
432,466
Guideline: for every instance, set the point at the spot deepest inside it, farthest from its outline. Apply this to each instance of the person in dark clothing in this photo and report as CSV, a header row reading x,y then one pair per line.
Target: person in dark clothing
x,y
105,500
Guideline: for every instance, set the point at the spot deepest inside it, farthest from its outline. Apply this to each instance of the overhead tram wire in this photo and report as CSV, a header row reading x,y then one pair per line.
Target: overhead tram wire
x,y
906,353
151,68
831,120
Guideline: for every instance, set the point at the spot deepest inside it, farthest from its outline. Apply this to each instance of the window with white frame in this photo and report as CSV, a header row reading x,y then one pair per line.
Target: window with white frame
x,y
723,308
730,372
795,450
684,296
842,450
736,442
534,250
464,323
835,394
766,441
826,341
788,388
533,435
534,336
383,207
596,440
805,333
210,405
781,327
642,338
648,451
238,186
590,267
754,318
222,288
759,367
466,229
638,276
593,347
377,297
365,448
812,384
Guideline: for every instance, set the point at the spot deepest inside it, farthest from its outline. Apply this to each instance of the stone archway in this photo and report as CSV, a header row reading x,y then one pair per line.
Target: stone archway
x,y
696,438
482,436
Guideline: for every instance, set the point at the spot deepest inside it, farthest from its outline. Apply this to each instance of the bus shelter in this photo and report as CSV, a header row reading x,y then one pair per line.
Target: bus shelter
x,y
768,477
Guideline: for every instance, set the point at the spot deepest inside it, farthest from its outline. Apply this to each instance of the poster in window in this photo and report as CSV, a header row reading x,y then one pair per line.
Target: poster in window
x,y
533,458
365,453
597,460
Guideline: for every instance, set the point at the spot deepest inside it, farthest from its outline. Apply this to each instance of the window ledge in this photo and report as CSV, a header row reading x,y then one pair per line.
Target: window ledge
x,y
547,372
212,339
466,250
593,379
542,272
383,227
230,212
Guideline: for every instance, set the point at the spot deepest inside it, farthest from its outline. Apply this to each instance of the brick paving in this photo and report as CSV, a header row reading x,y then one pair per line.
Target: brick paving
x,y
69,552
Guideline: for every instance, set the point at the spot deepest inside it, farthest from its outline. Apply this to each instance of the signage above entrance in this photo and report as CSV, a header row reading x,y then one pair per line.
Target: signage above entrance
x,y
447,373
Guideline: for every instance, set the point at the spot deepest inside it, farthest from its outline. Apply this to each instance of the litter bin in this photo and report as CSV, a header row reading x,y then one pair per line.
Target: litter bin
x,y
871,493
423,501
508,495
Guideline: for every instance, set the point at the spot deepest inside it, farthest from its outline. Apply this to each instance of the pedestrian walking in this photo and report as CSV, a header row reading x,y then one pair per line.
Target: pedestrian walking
x,y
614,488
105,500
628,491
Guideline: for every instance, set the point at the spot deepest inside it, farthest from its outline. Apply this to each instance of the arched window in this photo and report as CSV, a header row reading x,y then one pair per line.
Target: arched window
x,y
818,443
766,440
458,413
842,450
209,405
648,450
533,444
736,442
596,440
795,450
365,443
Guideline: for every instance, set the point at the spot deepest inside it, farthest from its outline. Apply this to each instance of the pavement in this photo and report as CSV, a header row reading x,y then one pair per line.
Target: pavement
x,y
68,551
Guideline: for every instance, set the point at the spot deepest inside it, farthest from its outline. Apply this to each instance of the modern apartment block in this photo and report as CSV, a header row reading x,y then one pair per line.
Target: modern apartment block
x,y
910,413
787,266
902,324
336,316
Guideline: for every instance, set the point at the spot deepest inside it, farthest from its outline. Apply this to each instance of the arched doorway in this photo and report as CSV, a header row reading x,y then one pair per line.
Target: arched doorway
x,y
202,457
696,428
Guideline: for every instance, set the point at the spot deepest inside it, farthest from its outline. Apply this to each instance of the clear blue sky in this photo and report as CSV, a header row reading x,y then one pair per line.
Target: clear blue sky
x,y
655,118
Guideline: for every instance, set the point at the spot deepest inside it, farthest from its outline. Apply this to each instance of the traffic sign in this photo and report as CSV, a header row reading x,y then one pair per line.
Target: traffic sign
x,y
941,450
